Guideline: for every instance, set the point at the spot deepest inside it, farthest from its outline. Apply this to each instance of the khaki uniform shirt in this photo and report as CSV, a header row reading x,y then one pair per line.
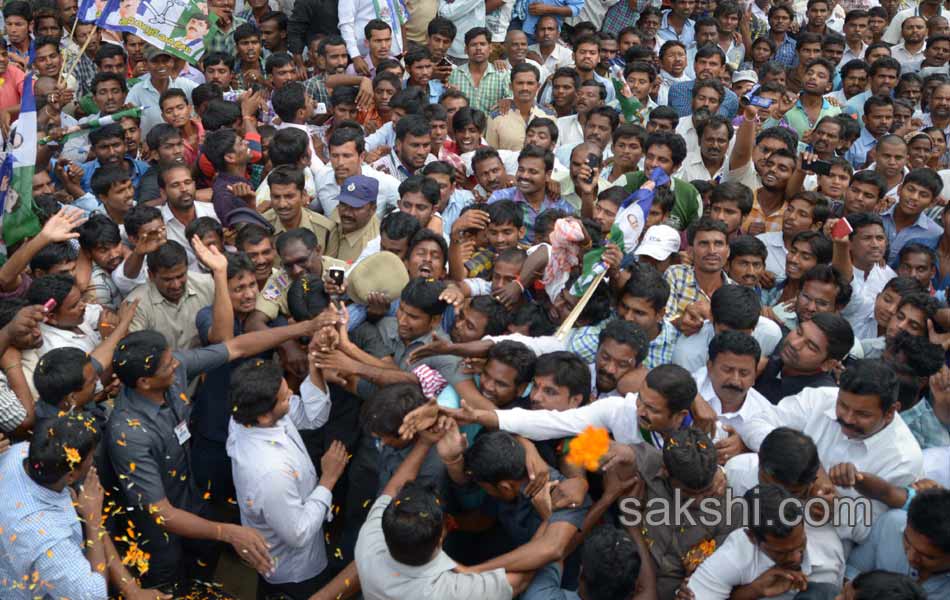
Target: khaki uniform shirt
x,y
175,321
272,300
315,222
348,246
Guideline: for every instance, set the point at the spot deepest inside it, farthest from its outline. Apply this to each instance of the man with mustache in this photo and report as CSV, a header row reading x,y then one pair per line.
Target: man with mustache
x,y
856,428
355,217
715,139
726,384
706,98
180,208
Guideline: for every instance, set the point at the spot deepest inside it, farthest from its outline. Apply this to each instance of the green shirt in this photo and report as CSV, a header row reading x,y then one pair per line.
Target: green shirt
x,y
687,206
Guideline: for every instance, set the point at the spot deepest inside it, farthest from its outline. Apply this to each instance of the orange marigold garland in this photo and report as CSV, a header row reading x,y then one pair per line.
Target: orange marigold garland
x,y
588,448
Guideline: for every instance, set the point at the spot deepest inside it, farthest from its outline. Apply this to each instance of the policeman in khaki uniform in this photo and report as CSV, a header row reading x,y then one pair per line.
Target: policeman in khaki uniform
x,y
300,253
356,223
288,205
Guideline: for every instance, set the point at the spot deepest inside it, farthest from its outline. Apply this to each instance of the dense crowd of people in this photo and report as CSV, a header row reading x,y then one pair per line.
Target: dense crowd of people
x,y
461,299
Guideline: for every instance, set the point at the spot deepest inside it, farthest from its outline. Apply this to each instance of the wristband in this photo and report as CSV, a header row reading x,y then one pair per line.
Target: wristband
x,y
911,493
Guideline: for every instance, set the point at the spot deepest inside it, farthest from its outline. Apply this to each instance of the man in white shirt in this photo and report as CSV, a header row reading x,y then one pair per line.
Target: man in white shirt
x,y
777,556
856,427
732,307
286,502
726,384
661,407
353,17
346,160
707,96
570,129
910,52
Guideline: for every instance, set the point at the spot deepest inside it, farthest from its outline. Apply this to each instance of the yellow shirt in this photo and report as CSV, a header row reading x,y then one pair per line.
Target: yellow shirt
x,y
175,321
314,221
507,131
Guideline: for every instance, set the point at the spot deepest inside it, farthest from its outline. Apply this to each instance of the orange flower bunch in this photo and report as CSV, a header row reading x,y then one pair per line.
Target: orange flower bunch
x,y
72,457
697,554
588,448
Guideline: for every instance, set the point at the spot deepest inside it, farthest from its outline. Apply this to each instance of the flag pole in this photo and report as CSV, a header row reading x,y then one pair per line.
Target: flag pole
x,y
568,323
62,70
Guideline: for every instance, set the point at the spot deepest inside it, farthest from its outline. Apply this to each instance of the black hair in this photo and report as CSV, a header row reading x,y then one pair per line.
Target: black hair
x,y
139,215
252,234
106,132
56,286
610,564
383,412
546,156
412,524
647,283
60,373
51,255
820,245
167,167
288,99
496,456
410,99
204,95
873,178
545,123
217,144
789,456
607,113
398,225
705,224
505,212
168,256
862,220
917,248
239,263
427,235
923,302
736,307
98,231
782,134
103,76
290,145
734,342
517,356
276,61
345,135
202,226
306,297
495,312
829,274
568,370
161,133
220,114
138,355
420,184
535,317
927,178
626,333
877,585
927,515
868,377
254,387
217,58
424,295
837,331
777,515
747,245
674,142
689,455
675,384
106,176
435,112
526,67
50,456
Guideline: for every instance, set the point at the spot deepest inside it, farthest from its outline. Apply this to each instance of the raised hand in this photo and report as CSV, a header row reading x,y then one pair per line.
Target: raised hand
x,y
209,256
332,464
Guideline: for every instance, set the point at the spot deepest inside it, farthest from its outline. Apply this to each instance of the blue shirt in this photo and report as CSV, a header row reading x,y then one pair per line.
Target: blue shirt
x,y
137,169
857,155
530,214
436,89
680,98
384,136
42,536
666,32
785,52
531,21
884,550
457,201
924,230
856,103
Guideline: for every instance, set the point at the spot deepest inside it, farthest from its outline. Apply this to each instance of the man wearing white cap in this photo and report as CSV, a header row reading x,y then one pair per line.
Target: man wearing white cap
x,y
659,246
744,81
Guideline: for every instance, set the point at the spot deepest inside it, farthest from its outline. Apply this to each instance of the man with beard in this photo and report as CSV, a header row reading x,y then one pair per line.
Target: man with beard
x,y
667,151
860,413
622,348
826,137
715,142
939,115
854,81
707,96
108,147
490,173
412,149
590,95
910,52
507,131
355,217
708,64
599,126
273,26
549,52
179,208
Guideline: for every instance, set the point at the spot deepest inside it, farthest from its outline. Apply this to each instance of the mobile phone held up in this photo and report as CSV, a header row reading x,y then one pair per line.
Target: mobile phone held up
x,y
818,167
593,161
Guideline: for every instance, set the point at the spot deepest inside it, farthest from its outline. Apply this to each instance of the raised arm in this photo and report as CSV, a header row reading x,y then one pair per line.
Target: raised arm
x,y
222,312
58,228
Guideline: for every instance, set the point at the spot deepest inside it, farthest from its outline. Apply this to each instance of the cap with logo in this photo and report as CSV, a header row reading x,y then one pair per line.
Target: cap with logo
x,y
151,52
358,191
659,242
